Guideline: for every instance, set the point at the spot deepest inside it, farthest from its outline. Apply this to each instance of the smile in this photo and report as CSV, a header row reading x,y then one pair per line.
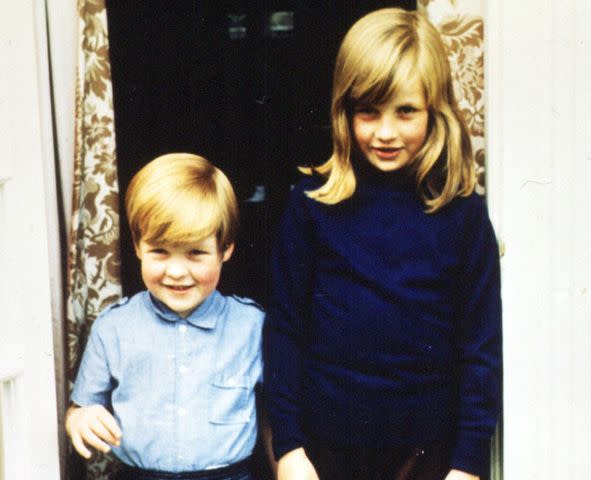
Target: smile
x,y
386,153
179,288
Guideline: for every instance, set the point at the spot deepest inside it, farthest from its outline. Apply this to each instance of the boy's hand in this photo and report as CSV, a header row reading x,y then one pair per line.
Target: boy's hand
x,y
93,426
295,465
459,475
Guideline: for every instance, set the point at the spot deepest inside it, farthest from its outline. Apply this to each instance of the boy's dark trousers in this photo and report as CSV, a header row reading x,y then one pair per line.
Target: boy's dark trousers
x,y
237,471
429,463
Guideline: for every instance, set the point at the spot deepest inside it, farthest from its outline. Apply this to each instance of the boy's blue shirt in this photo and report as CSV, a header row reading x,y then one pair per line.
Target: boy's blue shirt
x,y
182,390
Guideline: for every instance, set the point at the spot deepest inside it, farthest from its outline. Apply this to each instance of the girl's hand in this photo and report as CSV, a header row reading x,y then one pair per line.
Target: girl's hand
x,y
295,465
459,475
92,426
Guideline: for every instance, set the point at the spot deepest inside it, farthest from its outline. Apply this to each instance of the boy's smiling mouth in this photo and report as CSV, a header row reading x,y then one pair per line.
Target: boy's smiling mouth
x,y
179,288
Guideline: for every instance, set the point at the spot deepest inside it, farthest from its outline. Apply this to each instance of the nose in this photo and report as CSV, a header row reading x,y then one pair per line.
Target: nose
x,y
387,129
176,267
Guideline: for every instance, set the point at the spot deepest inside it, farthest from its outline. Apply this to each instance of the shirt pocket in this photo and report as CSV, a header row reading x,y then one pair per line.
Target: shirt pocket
x,y
230,399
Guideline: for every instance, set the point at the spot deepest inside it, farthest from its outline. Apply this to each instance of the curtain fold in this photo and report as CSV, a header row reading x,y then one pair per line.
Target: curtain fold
x,y
93,268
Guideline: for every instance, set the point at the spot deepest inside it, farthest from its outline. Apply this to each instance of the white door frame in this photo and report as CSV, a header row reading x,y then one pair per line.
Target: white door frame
x,y
28,436
538,84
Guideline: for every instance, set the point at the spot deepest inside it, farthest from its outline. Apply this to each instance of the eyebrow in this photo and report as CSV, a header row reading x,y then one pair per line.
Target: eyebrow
x,y
413,101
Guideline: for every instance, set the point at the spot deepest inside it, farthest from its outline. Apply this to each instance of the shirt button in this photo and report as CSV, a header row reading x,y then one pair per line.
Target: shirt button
x,y
182,328
181,412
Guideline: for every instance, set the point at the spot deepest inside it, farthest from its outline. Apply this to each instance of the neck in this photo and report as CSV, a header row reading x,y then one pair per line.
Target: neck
x,y
366,173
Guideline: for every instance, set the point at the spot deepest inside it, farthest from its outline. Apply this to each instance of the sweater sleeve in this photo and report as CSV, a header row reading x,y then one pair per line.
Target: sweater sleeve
x,y
479,341
284,327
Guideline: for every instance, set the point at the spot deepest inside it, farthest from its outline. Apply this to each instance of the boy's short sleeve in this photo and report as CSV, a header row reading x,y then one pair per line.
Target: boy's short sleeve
x,y
251,310
259,356
257,337
259,365
94,382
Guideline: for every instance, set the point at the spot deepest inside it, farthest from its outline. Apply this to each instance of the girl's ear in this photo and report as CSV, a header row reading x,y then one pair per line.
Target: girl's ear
x,y
229,250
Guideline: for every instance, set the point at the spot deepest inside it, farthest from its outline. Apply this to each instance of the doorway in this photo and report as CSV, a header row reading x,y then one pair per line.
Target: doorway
x,y
245,84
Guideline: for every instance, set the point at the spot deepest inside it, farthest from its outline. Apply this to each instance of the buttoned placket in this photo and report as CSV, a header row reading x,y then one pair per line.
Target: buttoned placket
x,y
180,373
189,345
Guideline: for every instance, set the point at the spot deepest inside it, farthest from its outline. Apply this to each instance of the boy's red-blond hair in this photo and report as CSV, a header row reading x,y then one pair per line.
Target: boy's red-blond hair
x,y
181,198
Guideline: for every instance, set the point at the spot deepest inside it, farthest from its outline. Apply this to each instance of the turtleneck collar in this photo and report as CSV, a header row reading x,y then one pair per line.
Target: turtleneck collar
x,y
366,174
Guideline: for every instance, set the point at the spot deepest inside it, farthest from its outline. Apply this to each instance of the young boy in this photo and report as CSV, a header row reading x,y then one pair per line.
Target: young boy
x,y
167,378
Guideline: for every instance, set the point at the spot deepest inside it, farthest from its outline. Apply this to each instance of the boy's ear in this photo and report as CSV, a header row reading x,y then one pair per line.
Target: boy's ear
x,y
136,247
228,252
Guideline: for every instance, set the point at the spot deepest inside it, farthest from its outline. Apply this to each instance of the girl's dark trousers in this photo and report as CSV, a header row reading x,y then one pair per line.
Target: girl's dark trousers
x,y
429,463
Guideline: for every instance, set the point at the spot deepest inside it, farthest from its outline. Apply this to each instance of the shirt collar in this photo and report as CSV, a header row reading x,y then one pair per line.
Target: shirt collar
x,y
204,316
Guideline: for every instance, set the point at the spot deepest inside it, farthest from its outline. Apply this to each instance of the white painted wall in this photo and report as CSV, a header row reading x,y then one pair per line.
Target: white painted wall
x,y
539,170
27,382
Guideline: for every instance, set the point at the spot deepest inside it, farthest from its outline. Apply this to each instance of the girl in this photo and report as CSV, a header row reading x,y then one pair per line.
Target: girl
x,y
383,335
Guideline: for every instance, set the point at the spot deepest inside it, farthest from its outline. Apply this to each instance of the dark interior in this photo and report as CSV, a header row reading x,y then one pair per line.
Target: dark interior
x,y
238,83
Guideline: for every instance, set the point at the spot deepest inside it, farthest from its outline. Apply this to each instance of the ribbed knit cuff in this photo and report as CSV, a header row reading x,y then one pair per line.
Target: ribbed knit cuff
x,y
472,454
286,439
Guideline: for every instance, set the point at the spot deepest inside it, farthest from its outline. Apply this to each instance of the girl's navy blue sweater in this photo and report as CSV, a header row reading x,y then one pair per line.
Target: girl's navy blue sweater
x,y
384,327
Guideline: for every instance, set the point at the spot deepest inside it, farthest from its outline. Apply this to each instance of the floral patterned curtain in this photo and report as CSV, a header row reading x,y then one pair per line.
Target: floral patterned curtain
x,y
461,25
93,280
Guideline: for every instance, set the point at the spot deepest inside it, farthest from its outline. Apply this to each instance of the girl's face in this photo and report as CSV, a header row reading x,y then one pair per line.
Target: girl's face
x,y
389,135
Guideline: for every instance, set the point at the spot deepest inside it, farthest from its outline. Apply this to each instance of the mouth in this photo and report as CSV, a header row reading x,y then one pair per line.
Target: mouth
x,y
179,288
387,153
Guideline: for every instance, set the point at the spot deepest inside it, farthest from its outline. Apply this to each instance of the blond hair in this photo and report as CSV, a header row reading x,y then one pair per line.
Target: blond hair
x,y
181,198
381,51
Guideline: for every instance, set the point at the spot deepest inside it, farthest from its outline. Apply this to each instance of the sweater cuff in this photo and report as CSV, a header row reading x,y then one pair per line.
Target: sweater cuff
x,y
285,440
472,454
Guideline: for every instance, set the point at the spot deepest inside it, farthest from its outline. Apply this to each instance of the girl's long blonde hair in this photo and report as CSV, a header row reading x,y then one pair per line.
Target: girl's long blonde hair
x,y
381,51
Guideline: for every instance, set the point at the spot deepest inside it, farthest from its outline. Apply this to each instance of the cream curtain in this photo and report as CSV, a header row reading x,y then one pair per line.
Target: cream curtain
x,y
93,280
461,25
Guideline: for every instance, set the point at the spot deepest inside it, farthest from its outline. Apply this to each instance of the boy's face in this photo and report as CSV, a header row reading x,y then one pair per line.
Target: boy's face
x,y
182,277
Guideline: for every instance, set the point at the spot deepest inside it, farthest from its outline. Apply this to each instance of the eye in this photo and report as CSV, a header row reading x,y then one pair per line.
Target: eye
x,y
406,110
196,252
365,110
158,251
